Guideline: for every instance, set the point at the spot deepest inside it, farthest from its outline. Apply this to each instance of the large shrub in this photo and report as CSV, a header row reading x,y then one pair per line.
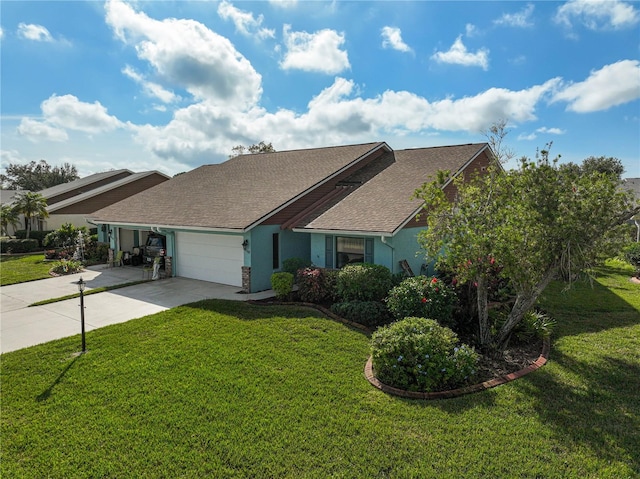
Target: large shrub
x,y
18,245
632,255
422,297
37,235
417,354
282,284
316,285
364,282
367,313
96,252
66,237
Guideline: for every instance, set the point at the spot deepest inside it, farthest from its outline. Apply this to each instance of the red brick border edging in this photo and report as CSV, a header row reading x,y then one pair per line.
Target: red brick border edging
x,y
538,363
368,368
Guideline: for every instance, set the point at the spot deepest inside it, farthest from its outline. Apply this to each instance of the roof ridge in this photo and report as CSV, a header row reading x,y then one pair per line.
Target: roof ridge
x,y
314,148
443,146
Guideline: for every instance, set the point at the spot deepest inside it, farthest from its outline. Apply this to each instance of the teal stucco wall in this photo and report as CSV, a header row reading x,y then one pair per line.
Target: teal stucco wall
x,y
291,245
404,245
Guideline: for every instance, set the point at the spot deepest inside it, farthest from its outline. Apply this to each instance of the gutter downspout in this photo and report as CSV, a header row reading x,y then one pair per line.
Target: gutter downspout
x,y
383,239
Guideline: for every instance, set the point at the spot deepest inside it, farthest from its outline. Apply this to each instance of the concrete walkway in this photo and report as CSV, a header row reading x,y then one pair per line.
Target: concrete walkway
x,y
21,326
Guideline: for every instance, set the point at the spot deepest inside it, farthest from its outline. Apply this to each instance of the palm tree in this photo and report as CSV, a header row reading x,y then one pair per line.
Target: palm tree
x,y
31,205
8,216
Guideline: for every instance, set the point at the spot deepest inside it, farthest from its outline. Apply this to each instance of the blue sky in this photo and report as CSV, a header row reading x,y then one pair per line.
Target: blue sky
x,y
171,85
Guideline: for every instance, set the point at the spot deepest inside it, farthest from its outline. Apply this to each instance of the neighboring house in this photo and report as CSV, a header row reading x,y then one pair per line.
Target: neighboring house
x,y
633,185
236,222
72,202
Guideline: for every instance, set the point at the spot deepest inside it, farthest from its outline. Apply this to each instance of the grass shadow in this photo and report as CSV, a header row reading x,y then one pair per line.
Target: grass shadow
x,y
255,312
589,307
600,411
44,395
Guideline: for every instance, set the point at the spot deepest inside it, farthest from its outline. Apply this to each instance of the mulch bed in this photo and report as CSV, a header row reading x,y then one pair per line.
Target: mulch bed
x,y
515,358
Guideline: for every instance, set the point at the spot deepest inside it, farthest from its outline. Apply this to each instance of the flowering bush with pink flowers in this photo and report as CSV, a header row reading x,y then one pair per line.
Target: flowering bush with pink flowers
x,y
417,354
422,296
316,285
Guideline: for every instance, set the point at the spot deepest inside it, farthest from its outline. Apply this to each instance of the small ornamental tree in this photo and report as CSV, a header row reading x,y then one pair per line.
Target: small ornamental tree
x,y
537,221
9,216
31,205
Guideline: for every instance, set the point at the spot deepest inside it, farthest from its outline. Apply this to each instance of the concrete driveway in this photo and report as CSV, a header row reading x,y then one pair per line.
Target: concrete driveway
x,y
21,326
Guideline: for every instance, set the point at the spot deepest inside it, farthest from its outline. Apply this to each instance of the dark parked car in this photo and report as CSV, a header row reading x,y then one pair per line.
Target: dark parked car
x,y
156,245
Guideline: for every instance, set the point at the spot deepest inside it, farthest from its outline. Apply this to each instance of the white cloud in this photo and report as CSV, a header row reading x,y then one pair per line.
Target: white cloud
x,y
187,53
392,38
336,115
529,137
520,19
551,131
11,156
459,55
61,113
314,52
37,131
612,85
68,112
598,14
470,30
33,32
284,3
244,21
150,88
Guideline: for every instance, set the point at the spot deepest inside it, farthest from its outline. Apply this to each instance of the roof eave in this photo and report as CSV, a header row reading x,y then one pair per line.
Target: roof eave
x,y
387,234
144,226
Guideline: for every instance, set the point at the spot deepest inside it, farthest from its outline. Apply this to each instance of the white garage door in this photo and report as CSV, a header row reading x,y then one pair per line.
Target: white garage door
x,y
209,257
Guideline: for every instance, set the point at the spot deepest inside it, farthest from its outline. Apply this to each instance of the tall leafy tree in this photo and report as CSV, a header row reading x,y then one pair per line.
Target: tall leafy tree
x,y
534,221
261,147
31,205
9,216
36,176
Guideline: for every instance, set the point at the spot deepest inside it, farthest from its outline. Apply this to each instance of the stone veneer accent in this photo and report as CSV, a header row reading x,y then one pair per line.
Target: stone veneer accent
x,y
246,279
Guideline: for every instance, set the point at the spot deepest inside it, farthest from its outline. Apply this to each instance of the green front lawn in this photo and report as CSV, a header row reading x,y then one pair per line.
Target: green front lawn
x,y
21,268
224,389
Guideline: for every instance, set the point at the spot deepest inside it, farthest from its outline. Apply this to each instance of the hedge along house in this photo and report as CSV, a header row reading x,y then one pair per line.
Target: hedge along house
x,y
236,222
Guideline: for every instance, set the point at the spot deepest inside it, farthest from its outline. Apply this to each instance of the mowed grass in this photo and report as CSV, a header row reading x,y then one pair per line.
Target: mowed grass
x,y
22,268
225,389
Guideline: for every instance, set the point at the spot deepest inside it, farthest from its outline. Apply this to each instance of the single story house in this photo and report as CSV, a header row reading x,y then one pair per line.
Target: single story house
x,y
72,202
236,222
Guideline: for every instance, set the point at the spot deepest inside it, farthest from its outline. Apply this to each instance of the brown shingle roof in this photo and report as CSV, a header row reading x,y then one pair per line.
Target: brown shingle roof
x,y
383,204
235,194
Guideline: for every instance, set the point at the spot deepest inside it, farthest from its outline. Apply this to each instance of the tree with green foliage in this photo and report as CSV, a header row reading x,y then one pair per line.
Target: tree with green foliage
x,y
536,221
8,216
601,164
67,236
31,205
261,147
36,176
